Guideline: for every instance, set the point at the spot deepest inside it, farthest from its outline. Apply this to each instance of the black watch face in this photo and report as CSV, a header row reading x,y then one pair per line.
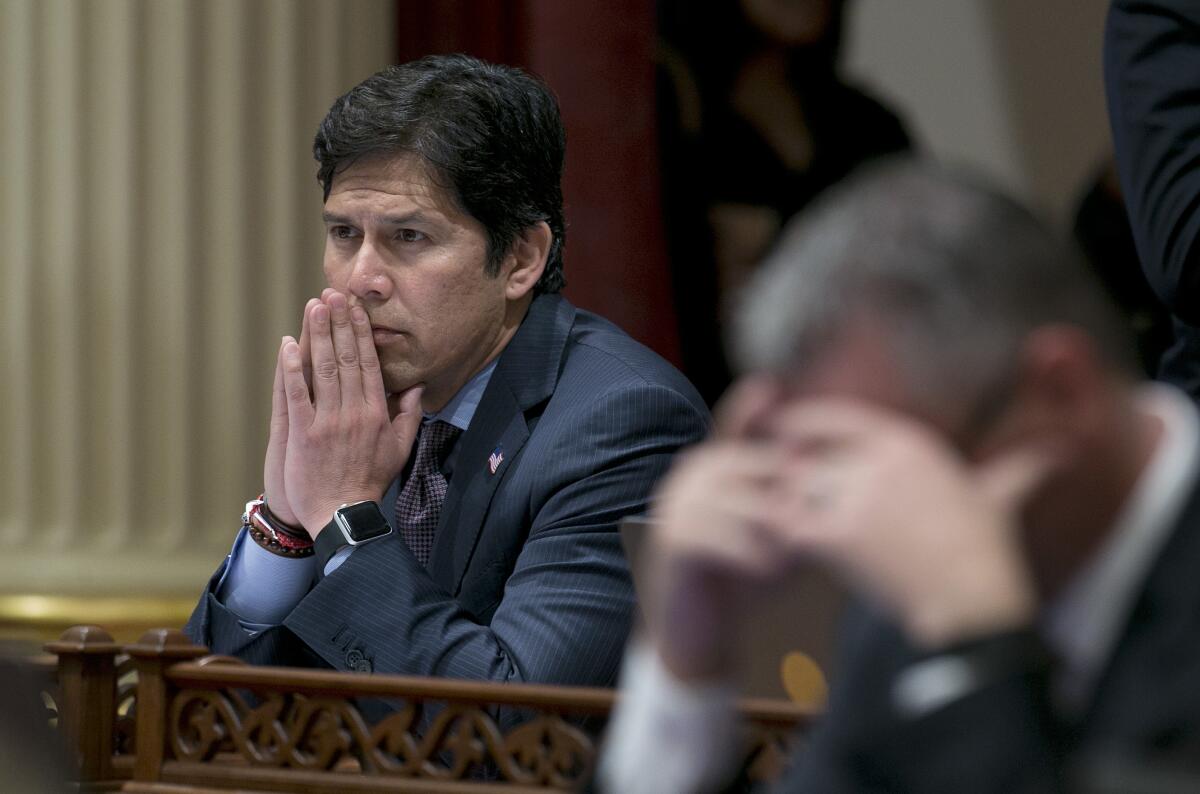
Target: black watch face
x,y
364,521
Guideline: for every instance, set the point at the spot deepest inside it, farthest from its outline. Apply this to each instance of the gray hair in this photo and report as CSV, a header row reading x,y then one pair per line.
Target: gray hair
x,y
958,274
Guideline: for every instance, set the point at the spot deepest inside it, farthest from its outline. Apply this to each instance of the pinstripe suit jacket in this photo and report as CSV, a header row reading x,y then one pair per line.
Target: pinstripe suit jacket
x,y
527,580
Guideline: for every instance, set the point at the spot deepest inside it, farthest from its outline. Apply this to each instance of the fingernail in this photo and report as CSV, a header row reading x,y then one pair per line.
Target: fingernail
x,y
358,315
320,313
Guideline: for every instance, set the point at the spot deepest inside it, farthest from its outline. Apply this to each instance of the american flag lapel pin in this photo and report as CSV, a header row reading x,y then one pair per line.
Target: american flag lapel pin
x,y
495,459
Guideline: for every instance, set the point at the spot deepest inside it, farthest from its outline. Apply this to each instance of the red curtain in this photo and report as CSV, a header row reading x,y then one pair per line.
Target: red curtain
x,y
599,60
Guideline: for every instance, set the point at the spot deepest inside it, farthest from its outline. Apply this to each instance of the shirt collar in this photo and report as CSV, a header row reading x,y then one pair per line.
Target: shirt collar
x,y
461,408
1083,623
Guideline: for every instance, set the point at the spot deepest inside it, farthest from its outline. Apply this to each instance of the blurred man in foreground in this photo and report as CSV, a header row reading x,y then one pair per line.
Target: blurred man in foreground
x,y
944,409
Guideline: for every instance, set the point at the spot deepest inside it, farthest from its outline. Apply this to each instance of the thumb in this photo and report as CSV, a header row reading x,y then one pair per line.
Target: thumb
x,y
743,407
407,416
1011,478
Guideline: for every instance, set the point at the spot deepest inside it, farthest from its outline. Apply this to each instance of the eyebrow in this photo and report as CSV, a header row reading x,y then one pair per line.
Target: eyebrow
x,y
416,216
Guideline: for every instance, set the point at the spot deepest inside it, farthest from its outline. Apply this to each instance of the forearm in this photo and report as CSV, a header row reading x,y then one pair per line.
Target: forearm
x,y
249,594
563,619
261,588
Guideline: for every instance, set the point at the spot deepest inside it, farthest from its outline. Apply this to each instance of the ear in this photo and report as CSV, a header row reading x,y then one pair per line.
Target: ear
x,y
1064,384
527,260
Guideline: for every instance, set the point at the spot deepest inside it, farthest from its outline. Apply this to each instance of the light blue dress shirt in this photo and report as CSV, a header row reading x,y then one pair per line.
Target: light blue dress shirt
x,y
261,588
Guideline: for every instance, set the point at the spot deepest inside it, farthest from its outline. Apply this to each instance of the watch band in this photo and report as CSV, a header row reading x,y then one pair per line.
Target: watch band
x,y
352,525
329,541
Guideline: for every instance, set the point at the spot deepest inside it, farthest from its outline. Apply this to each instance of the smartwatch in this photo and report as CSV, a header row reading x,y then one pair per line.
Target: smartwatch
x,y
352,525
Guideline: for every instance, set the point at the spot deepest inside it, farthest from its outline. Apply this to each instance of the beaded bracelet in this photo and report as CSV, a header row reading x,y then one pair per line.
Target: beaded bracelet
x,y
257,515
275,547
271,523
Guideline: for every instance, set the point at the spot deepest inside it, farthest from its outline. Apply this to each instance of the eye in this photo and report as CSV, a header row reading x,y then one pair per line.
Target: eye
x,y
409,236
341,232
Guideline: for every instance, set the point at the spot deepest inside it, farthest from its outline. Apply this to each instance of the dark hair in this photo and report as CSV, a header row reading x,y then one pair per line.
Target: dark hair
x,y
491,133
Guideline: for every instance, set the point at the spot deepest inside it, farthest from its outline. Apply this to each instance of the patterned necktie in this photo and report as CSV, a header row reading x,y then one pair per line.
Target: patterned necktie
x,y
419,503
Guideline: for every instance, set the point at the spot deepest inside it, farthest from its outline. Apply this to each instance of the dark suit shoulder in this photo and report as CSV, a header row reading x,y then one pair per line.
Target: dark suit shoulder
x,y
603,357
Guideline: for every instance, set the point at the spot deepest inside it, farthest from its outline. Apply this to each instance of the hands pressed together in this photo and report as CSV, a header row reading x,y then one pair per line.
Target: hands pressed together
x,y
878,496
332,440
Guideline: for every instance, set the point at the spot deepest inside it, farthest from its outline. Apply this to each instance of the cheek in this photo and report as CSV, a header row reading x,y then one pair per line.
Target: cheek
x,y
336,275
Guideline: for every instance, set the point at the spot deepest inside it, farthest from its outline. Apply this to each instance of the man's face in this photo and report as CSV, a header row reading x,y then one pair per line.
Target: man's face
x,y
396,244
1058,404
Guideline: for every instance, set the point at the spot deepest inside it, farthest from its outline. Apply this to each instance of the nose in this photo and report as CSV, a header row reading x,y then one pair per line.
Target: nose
x,y
368,281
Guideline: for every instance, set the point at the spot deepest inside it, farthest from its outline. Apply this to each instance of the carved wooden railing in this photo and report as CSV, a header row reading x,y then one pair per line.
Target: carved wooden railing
x,y
208,721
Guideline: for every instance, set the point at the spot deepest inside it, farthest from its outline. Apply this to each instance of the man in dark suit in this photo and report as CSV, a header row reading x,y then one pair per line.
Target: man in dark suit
x,y
452,443
942,407
1150,52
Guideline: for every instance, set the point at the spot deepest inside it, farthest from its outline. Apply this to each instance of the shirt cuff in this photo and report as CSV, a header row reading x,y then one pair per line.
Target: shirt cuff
x,y
666,734
339,557
261,588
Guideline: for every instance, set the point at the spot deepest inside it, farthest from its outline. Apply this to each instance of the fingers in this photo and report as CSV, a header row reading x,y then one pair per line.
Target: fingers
x,y
299,406
810,492
338,354
715,511
1009,479
744,408
279,413
368,359
345,349
327,390
733,463
305,346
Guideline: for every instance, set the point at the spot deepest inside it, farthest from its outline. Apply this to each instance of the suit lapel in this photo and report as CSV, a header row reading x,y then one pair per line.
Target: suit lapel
x,y
1159,640
524,378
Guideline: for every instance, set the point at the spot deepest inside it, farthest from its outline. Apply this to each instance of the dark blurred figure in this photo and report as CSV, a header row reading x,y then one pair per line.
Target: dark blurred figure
x,y
32,757
754,122
1150,53
1103,233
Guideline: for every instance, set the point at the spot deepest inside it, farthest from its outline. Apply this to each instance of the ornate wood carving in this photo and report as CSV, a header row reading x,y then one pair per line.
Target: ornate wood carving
x,y
322,733
218,722
124,743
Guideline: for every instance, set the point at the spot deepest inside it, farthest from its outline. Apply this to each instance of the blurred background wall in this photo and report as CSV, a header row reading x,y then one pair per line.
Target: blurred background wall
x,y
1011,87
160,220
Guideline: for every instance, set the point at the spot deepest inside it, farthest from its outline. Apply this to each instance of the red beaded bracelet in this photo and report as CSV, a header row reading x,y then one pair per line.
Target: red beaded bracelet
x,y
273,546
257,515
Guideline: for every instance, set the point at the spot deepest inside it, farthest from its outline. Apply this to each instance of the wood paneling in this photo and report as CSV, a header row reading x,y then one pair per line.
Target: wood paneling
x,y
161,224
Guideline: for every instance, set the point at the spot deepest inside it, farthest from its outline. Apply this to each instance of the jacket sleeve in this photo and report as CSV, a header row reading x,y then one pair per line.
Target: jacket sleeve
x,y
1001,737
1150,51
